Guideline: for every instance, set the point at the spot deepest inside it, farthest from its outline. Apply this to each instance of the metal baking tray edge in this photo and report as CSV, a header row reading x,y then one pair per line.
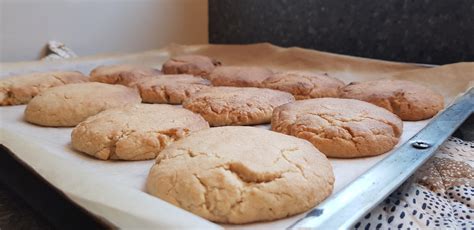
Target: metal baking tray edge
x,y
343,209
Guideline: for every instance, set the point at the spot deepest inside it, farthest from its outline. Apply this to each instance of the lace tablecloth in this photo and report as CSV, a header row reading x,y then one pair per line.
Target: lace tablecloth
x,y
440,195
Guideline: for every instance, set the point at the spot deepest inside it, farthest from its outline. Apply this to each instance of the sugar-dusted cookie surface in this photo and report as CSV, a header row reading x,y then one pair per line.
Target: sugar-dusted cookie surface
x,y
20,89
134,132
170,89
241,174
196,65
304,85
236,106
123,74
240,76
409,100
70,104
341,128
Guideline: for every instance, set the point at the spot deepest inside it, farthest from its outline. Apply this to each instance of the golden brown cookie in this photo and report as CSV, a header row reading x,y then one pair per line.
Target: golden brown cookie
x,y
70,104
240,76
134,132
124,74
241,174
170,89
342,128
17,90
196,65
409,100
304,85
236,106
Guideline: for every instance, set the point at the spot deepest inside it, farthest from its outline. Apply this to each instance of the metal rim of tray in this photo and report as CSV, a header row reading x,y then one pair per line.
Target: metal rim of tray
x,y
343,209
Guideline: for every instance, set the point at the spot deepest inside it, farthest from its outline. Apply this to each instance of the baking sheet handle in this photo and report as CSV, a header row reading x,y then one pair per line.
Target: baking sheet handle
x,y
343,209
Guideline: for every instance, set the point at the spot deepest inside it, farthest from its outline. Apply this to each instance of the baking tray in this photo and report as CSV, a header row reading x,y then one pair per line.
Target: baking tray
x,y
343,209
114,190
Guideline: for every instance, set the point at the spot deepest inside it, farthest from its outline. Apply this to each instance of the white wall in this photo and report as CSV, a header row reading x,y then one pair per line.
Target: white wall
x,y
98,26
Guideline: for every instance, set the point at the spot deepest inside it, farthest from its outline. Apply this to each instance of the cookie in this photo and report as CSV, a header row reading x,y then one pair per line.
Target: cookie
x,y
70,104
304,85
236,106
190,64
409,100
17,90
170,89
241,174
240,76
127,75
341,128
134,132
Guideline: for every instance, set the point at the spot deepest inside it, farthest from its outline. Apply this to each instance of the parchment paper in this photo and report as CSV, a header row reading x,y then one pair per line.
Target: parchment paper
x,y
114,190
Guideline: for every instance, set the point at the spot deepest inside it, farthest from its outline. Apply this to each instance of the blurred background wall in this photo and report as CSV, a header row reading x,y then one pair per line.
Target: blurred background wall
x,y
423,31
98,26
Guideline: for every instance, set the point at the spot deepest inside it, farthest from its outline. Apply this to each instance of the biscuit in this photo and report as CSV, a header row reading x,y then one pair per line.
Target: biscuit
x,y
127,75
304,85
241,174
170,89
134,132
17,90
239,76
409,100
190,64
341,128
236,106
70,104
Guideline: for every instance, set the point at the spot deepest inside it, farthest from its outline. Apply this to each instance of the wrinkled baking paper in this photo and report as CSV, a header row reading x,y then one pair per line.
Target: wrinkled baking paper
x,y
114,190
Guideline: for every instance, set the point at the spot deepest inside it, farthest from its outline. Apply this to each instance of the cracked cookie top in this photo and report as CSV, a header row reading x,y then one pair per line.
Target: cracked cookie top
x,y
409,100
239,76
304,85
134,132
170,89
241,174
20,89
124,74
236,106
68,105
196,65
341,128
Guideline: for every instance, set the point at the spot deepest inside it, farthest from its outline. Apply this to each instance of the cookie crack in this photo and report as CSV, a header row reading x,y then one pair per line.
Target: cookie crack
x,y
191,154
173,134
205,195
238,202
163,136
341,123
353,137
114,140
394,127
6,95
398,99
296,165
162,91
234,114
60,79
332,121
173,184
248,176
